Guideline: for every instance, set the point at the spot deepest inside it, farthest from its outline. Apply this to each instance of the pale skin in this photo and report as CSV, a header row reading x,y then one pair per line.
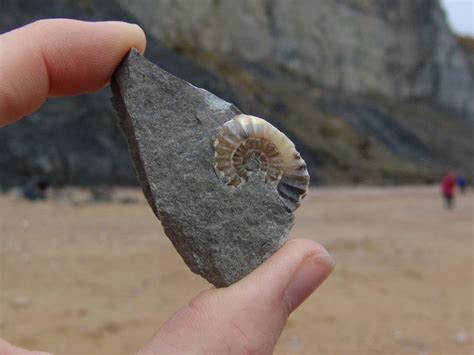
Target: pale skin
x,y
66,57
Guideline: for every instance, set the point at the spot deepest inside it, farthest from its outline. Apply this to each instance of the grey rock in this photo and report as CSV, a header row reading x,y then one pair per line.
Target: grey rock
x,y
170,125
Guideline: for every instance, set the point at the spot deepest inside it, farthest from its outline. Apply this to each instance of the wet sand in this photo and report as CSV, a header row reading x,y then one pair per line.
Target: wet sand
x,y
82,277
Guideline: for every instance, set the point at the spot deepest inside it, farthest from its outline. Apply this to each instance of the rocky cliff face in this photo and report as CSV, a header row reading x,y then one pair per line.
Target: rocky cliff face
x,y
398,49
370,90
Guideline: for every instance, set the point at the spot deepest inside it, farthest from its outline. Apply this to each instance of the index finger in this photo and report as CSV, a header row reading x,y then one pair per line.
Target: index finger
x,y
59,57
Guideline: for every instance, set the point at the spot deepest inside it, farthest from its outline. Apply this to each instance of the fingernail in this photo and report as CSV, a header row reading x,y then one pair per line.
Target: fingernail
x,y
311,273
136,26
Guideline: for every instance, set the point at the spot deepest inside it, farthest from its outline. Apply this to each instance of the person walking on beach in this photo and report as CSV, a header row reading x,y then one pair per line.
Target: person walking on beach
x,y
461,181
447,187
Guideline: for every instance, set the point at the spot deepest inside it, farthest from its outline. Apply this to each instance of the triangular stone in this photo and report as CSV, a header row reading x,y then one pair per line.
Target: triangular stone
x,y
170,126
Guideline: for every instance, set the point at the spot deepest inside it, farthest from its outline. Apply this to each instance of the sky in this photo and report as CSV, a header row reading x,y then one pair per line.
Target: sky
x,y
460,15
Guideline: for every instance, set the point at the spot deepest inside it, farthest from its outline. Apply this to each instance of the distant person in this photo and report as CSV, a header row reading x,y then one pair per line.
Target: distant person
x,y
461,181
36,190
447,188
64,57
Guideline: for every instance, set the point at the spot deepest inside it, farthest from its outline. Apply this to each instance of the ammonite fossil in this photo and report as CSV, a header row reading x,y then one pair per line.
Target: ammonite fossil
x,y
250,145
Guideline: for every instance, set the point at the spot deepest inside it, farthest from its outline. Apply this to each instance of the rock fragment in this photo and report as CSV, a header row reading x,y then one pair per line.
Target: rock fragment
x,y
170,126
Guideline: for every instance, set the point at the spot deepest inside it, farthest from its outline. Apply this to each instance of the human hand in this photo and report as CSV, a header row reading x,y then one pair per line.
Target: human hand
x,y
59,57
67,57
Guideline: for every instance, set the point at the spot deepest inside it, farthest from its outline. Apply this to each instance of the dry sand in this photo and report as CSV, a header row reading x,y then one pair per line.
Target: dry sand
x,y
100,278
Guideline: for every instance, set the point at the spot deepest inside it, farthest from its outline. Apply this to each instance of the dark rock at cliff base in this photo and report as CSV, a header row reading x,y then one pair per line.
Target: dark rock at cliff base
x,y
170,125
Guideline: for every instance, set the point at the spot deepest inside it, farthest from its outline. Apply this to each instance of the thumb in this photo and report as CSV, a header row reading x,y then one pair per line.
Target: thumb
x,y
249,316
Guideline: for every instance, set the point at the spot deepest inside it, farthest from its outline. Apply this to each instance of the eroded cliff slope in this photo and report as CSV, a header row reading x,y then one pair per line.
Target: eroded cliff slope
x,y
373,91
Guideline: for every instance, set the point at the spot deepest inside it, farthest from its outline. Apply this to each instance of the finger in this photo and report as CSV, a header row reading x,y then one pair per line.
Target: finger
x,y
249,315
59,57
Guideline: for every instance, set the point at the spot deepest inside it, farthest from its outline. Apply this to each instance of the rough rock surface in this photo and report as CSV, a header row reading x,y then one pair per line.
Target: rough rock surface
x,y
170,125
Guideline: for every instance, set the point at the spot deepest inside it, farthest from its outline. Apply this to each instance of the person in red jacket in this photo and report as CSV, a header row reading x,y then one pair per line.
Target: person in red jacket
x,y
447,187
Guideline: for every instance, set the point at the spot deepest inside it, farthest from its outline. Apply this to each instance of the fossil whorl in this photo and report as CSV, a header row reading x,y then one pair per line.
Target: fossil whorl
x,y
248,144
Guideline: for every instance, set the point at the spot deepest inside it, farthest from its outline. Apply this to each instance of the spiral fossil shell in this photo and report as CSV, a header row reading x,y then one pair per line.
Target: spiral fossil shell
x,y
248,144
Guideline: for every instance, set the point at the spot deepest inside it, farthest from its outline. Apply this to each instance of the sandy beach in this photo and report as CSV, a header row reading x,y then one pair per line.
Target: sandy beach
x,y
84,277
